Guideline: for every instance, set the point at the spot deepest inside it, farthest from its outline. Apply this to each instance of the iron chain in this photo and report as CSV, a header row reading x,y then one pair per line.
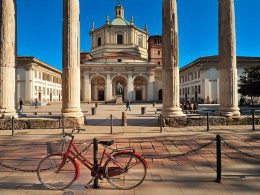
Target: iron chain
x,y
239,151
170,156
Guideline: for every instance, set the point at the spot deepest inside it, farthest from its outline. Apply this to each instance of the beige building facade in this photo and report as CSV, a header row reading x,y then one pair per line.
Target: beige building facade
x,y
119,54
199,80
37,80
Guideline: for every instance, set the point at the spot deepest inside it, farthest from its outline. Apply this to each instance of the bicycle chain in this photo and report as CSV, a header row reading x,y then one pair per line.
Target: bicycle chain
x,y
178,155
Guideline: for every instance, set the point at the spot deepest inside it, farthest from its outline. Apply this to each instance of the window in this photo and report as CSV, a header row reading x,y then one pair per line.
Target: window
x,y
119,60
198,88
198,74
48,91
35,90
119,39
157,41
159,63
188,91
159,52
43,91
35,74
99,41
140,41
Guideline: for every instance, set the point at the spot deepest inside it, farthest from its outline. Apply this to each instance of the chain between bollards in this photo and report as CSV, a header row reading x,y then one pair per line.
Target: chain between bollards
x,y
218,156
253,119
111,124
95,161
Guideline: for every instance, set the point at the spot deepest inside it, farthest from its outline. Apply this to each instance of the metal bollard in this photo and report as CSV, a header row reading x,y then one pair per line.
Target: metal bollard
x,y
63,128
95,161
253,119
218,156
161,123
12,125
111,124
207,121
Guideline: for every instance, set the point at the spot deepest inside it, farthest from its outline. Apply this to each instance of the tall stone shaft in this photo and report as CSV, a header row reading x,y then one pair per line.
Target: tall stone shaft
x,y
227,59
170,69
7,57
71,60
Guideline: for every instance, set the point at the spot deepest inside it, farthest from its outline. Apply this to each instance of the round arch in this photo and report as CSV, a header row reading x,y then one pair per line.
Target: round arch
x,y
140,88
123,82
98,84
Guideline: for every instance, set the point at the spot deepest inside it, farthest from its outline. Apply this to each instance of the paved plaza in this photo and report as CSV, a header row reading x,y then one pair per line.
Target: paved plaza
x,y
193,173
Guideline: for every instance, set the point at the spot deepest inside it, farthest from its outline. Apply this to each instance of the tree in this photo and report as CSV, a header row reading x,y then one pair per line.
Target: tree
x,y
250,83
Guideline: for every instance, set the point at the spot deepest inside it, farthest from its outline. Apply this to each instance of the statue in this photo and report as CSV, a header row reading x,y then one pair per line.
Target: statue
x,y
119,89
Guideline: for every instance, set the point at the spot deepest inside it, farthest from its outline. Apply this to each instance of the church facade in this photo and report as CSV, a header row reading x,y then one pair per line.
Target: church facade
x,y
119,56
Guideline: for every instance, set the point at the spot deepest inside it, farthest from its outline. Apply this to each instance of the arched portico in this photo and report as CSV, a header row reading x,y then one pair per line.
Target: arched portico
x,y
123,81
98,87
140,88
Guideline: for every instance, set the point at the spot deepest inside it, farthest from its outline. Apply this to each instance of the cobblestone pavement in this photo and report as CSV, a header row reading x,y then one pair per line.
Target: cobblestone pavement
x,y
193,174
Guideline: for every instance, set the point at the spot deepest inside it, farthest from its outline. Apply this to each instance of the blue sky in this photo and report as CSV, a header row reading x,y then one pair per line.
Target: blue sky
x,y
40,26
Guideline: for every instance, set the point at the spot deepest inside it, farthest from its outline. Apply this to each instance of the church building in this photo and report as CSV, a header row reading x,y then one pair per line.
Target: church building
x,y
119,56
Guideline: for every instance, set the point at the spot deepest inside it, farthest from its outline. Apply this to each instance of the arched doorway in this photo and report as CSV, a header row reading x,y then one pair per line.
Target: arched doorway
x,y
98,88
140,88
119,80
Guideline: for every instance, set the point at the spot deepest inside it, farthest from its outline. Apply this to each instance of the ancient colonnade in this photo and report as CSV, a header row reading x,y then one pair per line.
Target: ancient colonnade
x,y
71,56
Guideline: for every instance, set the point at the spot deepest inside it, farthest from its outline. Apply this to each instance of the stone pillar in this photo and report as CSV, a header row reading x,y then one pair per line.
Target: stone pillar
x,y
85,87
150,87
130,87
29,84
108,88
227,60
171,92
7,57
71,60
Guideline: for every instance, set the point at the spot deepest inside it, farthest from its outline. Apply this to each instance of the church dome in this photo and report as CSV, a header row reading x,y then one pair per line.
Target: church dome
x,y
120,22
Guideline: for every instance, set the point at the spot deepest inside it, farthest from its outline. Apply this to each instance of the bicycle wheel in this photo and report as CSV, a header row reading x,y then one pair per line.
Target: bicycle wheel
x,y
57,173
125,171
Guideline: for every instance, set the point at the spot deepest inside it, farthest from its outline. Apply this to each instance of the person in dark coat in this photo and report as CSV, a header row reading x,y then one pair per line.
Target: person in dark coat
x,y
128,105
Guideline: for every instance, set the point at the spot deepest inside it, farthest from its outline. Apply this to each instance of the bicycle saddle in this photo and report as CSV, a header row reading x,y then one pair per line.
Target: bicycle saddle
x,y
106,143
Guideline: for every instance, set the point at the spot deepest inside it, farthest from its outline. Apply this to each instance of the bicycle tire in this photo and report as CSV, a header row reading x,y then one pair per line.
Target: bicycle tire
x,y
50,178
132,177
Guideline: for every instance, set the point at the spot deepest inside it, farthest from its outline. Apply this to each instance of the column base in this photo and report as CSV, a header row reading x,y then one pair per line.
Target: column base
x,y
172,112
8,113
72,112
229,112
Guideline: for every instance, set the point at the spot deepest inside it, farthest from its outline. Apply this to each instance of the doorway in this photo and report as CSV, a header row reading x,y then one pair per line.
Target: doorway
x,y
138,95
101,95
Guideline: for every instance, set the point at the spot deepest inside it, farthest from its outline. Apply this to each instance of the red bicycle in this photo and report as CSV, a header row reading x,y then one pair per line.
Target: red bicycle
x,y
124,168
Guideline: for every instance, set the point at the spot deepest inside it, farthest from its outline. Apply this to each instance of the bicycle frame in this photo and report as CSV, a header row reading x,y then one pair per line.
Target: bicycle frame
x,y
73,153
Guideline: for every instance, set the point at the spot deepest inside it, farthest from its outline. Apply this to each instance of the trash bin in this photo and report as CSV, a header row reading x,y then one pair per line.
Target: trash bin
x,y
94,110
143,110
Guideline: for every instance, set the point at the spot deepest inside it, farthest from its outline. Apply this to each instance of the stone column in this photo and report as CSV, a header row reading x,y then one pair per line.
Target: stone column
x,y
171,96
227,60
71,60
7,57
29,84
150,88
85,87
130,87
108,88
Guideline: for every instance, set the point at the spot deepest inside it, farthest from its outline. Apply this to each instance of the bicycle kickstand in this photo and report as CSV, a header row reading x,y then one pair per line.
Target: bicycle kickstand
x,y
90,181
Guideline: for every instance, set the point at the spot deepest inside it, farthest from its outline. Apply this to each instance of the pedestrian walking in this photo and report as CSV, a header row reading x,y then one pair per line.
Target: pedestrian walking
x,y
20,105
36,103
128,105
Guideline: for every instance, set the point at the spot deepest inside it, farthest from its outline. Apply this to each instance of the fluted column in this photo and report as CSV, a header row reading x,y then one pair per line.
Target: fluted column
x,y
227,59
7,57
171,96
71,60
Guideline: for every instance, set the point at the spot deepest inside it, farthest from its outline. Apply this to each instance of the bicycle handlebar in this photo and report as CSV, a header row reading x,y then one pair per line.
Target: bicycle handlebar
x,y
73,131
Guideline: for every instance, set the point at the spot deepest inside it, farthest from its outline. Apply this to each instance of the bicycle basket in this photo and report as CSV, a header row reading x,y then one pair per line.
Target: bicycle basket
x,y
54,147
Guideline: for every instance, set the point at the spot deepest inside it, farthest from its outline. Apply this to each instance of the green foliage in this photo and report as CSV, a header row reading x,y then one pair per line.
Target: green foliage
x,y
250,82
